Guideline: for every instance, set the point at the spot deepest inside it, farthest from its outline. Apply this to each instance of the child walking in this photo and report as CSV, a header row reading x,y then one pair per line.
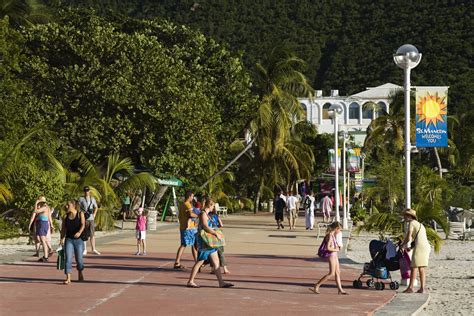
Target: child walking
x,y
140,229
330,253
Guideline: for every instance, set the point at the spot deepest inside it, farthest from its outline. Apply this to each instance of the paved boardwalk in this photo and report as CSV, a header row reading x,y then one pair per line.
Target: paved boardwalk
x,y
271,270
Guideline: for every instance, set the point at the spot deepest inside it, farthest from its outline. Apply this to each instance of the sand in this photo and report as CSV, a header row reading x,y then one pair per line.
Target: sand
x,y
450,275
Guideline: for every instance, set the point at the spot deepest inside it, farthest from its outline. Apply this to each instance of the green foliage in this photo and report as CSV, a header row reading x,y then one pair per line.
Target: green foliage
x,y
8,229
29,182
191,90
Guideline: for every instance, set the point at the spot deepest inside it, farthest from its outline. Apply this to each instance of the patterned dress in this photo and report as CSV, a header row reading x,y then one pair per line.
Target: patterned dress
x,y
203,250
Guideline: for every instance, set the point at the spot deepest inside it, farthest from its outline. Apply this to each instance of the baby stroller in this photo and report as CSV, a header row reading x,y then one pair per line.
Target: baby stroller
x,y
380,266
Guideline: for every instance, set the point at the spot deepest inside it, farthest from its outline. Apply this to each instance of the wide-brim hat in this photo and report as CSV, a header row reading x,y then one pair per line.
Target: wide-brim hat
x,y
410,212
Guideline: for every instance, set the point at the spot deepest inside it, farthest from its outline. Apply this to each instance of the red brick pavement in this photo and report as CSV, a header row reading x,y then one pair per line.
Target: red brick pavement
x,y
119,284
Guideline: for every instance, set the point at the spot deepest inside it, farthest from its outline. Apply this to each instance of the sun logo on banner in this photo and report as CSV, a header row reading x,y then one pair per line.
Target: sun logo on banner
x,y
431,109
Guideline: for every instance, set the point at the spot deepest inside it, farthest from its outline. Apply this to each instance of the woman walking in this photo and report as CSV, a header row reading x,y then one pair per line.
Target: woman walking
x,y
217,224
44,224
421,250
204,252
330,253
74,224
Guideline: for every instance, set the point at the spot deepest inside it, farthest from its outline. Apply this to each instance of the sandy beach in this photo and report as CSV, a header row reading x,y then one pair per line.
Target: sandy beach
x,y
450,275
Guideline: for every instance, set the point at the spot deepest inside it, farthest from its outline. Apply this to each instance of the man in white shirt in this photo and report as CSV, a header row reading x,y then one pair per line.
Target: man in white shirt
x,y
89,207
291,204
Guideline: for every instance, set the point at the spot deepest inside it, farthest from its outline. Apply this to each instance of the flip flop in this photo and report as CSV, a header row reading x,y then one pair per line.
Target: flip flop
x,y
179,267
66,282
313,290
192,285
227,285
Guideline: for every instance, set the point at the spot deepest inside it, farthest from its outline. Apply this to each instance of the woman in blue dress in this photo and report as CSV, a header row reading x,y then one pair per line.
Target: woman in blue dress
x,y
204,252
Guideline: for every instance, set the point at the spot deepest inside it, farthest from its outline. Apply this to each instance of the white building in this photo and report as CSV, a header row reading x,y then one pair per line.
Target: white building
x,y
355,119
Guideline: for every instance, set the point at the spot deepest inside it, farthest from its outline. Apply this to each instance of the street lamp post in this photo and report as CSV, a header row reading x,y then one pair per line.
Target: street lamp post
x,y
334,111
345,138
407,57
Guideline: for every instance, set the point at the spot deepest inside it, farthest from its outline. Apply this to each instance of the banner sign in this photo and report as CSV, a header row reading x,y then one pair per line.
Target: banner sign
x,y
332,159
353,160
431,117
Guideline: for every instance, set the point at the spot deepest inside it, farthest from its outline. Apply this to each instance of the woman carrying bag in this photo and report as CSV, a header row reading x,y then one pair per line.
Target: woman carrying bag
x,y
421,250
206,251
72,228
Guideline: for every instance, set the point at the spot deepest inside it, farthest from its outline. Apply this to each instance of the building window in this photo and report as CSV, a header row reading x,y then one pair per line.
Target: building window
x,y
367,111
325,111
354,111
305,109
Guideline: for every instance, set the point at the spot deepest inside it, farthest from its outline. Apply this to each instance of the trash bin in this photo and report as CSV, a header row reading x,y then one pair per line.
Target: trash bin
x,y
270,206
152,215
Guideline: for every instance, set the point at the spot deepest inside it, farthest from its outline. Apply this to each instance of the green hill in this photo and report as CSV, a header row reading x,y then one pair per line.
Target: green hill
x,y
348,45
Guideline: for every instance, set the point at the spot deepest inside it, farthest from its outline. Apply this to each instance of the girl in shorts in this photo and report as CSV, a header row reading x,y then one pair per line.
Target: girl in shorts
x,y
140,230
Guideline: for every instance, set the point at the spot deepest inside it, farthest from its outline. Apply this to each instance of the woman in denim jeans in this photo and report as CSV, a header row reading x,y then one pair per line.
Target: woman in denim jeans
x,y
72,228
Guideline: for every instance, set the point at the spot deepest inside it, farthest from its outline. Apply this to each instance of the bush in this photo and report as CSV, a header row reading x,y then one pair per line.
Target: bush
x,y
8,229
28,183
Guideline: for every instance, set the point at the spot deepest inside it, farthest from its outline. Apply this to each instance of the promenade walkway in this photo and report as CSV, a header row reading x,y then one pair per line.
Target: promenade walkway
x,y
271,269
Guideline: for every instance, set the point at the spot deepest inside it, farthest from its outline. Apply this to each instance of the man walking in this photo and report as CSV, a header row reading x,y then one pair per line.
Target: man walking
x,y
279,207
309,210
291,204
187,229
88,205
326,205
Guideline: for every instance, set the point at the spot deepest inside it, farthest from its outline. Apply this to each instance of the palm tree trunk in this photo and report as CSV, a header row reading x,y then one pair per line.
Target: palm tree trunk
x,y
257,198
158,196
249,145
438,160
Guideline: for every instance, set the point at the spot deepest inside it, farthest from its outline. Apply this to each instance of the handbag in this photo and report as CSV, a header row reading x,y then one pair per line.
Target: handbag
x,y
323,251
412,244
211,240
61,260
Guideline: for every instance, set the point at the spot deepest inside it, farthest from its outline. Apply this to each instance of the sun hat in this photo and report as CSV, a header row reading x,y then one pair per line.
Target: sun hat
x,y
410,212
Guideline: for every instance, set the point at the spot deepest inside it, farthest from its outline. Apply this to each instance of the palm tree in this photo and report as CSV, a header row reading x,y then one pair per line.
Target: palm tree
x,y
387,131
24,12
279,81
108,182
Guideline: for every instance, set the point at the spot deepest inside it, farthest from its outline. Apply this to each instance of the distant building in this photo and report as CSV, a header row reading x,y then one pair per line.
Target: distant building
x,y
355,118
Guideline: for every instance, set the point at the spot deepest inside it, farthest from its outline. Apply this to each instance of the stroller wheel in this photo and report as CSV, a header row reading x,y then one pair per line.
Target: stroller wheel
x,y
357,284
379,286
397,285
393,285
370,283
383,286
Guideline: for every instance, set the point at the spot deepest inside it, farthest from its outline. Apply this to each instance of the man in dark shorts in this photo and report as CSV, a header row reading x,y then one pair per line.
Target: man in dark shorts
x,y
279,207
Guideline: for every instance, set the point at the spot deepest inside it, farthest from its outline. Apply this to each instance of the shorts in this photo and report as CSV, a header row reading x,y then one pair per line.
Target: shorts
x,y
293,213
278,216
188,237
141,234
90,226
125,208
42,228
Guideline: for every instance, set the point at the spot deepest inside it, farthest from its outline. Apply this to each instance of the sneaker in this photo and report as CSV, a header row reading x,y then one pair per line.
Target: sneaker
x,y
137,253
84,252
282,227
144,253
96,252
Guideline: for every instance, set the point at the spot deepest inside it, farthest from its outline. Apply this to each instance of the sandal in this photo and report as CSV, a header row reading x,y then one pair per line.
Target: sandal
x,y
227,285
193,285
179,267
66,282
313,290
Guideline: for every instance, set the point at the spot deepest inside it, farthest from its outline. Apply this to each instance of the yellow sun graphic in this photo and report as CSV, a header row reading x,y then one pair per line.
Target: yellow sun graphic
x,y
431,109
